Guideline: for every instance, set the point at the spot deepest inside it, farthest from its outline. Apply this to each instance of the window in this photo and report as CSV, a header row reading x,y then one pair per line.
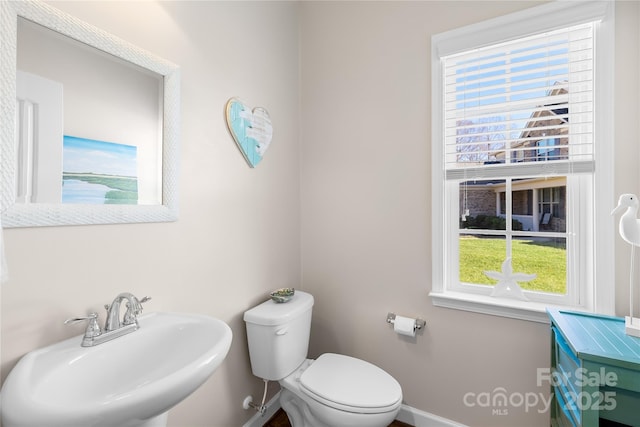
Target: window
x,y
552,201
549,149
521,150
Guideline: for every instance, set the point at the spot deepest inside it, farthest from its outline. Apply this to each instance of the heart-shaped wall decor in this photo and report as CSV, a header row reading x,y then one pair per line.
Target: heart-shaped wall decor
x,y
251,130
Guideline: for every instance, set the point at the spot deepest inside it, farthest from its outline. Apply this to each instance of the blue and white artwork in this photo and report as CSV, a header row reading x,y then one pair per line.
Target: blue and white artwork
x,y
98,172
251,130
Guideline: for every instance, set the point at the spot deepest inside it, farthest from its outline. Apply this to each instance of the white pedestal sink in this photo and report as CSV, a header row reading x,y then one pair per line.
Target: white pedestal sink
x,y
131,381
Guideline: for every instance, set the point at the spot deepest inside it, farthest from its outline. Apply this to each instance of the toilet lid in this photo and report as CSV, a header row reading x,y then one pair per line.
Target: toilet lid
x,y
349,383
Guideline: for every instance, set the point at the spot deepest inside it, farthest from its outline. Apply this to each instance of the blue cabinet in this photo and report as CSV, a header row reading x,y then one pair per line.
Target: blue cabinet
x,y
595,371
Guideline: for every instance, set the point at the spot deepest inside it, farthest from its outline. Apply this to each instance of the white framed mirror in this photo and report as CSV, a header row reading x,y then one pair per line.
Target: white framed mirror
x,y
57,126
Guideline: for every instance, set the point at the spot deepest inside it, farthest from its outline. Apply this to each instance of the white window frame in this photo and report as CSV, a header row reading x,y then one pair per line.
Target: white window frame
x,y
599,295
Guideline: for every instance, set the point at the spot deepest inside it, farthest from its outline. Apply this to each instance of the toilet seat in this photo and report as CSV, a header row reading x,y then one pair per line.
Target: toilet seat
x,y
351,385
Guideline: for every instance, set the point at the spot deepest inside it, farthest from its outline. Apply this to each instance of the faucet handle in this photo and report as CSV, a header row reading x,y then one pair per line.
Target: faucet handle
x,y
73,320
132,313
93,328
138,305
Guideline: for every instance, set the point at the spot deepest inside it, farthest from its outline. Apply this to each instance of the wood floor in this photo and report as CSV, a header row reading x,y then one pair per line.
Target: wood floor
x,y
280,420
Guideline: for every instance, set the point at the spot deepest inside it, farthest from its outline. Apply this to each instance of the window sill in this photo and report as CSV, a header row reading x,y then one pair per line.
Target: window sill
x,y
515,309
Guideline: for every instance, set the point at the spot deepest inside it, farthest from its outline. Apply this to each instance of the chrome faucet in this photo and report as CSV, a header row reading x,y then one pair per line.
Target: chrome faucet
x,y
113,327
134,308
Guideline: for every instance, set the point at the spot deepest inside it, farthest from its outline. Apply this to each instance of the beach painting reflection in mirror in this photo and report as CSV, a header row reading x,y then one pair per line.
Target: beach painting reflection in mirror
x,y
98,172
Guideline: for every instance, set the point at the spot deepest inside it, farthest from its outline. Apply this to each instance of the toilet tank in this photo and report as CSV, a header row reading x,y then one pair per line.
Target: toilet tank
x,y
278,335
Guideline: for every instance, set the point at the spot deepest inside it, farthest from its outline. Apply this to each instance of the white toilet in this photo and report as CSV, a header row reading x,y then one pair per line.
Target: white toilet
x,y
331,391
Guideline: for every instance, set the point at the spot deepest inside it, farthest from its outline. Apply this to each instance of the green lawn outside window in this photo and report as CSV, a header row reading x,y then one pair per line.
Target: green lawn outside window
x,y
546,258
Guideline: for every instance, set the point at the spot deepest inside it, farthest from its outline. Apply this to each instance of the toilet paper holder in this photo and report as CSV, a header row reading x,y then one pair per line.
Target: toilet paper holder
x,y
419,323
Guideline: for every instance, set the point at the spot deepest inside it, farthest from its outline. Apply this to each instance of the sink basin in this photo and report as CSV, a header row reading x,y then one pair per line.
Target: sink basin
x,y
129,381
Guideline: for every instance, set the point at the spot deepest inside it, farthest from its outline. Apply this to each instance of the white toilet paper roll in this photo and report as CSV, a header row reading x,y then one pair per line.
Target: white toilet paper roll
x,y
405,326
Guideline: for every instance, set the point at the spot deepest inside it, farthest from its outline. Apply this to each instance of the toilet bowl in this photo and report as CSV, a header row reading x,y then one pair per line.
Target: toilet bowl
x,y
340,391
332,391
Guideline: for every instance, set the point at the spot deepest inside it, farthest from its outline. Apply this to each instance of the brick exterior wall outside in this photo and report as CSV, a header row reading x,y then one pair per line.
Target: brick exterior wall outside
x,y
521,202
480,201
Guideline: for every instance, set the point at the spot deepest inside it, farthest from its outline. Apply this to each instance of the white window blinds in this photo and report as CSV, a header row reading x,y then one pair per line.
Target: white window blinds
x,y
521,108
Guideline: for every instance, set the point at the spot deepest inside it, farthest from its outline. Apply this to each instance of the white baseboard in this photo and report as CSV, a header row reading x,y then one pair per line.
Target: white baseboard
x,y
418,418
407,414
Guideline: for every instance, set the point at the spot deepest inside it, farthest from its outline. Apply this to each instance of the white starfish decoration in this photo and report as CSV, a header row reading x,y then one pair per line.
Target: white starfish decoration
x,y
507,286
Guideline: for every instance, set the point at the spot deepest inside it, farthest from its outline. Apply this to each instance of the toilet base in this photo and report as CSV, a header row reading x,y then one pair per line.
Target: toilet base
x,y
297,412
301,415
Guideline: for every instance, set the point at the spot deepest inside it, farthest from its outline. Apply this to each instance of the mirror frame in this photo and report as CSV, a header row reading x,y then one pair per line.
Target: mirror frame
x,y
50,214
